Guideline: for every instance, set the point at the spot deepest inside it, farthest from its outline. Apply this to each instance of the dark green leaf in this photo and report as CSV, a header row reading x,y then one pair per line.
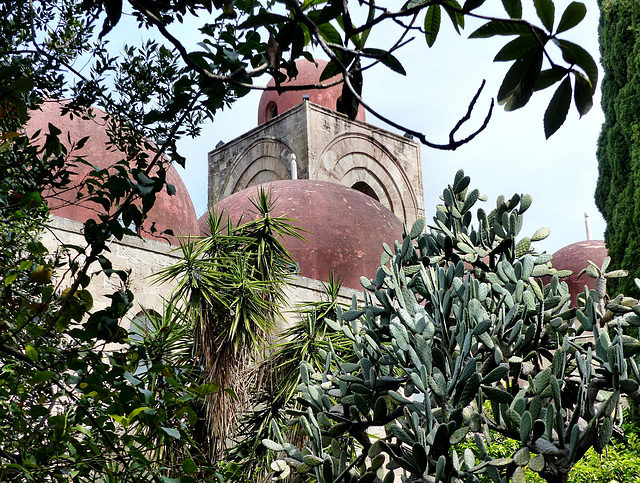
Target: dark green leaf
x,y
503,27
572,16
263,18
548,77
517,86
516,48
174,433
432,24
330,70
387,59
31,352
41,376
350,102
513,8
546,13
576,55
583,96
556,113
189,466
470,5
452,7
329,33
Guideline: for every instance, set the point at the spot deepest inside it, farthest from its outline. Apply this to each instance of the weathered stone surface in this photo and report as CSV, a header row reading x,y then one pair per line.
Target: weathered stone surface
x,y
143,258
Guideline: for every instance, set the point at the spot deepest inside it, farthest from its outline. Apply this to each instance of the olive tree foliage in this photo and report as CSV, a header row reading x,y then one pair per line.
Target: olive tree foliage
x,y
466,333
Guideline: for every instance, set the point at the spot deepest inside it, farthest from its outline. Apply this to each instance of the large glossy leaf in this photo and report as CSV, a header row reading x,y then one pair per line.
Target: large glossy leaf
x,y
263,18
330,70
470,5
432,24
574,54
452,7
504,27
548,77
556,113
572,16
517,86
513,8
329,33
349,101
582,95
516,48
546,13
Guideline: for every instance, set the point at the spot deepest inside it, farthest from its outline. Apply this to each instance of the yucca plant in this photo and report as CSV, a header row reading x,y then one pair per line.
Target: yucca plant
x,y
231,285
164,372
308,340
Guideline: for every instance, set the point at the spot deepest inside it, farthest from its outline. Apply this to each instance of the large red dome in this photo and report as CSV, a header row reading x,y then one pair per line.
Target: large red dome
x,y
169,212
575,257
345,228
272,103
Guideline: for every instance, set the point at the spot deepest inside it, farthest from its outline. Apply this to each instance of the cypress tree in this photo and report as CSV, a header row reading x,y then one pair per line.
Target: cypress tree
x,y
617,193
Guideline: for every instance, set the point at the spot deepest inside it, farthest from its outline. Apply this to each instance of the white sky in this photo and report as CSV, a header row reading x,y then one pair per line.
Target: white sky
x,y
510,156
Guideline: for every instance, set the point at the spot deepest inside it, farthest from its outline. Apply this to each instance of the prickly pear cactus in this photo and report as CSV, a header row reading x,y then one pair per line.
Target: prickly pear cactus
x,y
459,340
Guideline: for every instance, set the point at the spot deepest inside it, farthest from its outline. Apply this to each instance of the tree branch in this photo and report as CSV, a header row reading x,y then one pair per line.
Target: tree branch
x,y
451,146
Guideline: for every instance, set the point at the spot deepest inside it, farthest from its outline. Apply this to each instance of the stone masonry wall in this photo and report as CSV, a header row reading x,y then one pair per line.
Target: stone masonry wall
x,y
144,258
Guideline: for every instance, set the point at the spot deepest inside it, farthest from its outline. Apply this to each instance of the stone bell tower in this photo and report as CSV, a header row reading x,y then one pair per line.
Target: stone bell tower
x,y
302,135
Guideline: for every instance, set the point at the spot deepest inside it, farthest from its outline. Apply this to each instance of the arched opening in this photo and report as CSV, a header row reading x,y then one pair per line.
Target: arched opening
x,y
271,110
363,187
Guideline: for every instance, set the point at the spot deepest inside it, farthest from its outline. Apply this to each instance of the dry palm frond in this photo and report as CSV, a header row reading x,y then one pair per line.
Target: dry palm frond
x,y
308,340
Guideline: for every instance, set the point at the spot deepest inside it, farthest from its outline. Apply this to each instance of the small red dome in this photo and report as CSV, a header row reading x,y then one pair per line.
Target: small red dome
x,y
169,212
345,228
574,257
272,103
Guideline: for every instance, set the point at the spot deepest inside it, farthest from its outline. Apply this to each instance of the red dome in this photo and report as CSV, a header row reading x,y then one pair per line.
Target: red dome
x,y
345,228
272,103
574,257
169,212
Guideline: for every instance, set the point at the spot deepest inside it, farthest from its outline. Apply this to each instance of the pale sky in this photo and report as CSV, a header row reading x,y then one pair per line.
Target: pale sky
x,y
510,156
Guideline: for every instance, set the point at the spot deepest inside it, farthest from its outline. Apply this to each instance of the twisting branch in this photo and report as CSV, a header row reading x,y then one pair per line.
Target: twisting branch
x,y
451,146
228,79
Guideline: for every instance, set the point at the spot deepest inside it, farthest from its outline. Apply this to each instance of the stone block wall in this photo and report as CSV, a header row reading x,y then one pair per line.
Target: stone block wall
x,y
143,258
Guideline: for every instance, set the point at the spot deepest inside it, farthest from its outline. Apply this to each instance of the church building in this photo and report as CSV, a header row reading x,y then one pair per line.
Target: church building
x,y
350,185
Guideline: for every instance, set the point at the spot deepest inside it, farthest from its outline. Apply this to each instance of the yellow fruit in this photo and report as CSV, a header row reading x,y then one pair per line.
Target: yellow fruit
x,y
41,275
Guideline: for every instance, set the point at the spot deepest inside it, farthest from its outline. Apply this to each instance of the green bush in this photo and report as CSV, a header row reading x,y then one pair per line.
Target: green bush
x,y
619,462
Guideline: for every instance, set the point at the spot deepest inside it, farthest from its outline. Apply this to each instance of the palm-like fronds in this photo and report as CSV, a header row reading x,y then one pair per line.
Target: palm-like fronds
x,y
231,283
308,340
